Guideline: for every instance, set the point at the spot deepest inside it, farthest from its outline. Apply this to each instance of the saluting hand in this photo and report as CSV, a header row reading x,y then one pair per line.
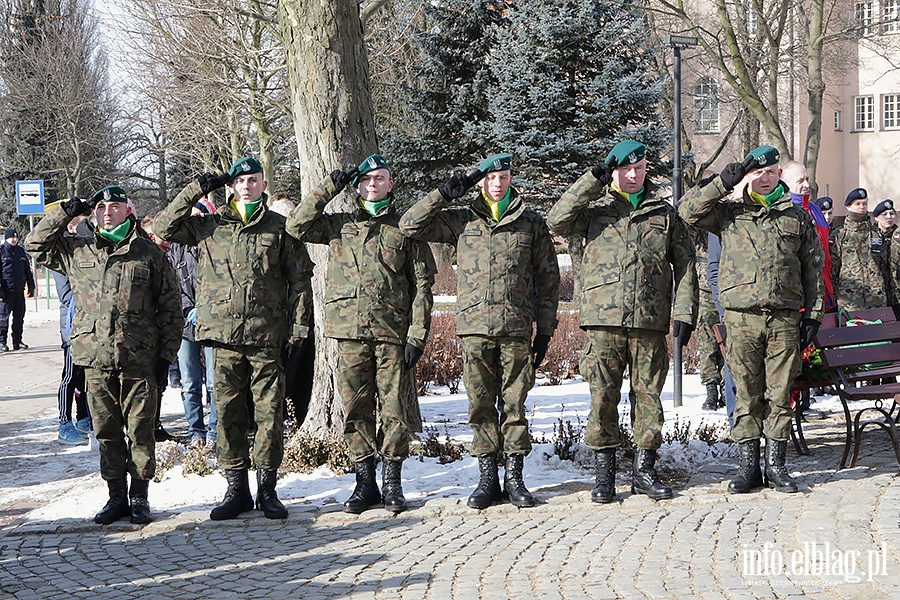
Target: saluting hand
x,y
460,183
603,171
342,178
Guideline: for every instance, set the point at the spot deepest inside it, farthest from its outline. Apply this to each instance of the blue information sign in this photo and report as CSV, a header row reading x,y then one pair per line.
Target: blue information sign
x,y
30,197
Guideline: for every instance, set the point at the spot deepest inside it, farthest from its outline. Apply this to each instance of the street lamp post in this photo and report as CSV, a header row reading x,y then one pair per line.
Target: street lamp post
x,y
677,42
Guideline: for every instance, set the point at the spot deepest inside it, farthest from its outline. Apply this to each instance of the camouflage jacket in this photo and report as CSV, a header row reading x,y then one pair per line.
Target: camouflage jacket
x,y
882,250
507,273
631,257
127,304
772,258
858,280
253,283
378,284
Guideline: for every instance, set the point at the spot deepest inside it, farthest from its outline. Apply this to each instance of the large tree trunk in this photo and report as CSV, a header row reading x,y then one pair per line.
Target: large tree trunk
x,y
333,122
816,88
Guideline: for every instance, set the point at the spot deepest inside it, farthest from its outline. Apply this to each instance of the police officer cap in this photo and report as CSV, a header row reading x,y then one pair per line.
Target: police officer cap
x,y
825,203
883,206
497,162
627,152
10,233
763,157
371,163
111,193
857,194
244,166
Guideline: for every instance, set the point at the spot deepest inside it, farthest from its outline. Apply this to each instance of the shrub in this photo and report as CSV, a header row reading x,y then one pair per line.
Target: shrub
x,y
441,363
167,456
304,453
197,462
431,446
682,431
565,349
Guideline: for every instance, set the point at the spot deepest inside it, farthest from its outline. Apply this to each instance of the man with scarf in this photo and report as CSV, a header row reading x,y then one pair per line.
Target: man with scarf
x,y
378,306
771,286
636,246
253,295
127,325
507,281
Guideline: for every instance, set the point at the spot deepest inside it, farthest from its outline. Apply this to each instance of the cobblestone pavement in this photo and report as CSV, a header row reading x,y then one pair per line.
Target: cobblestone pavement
x,y
703,543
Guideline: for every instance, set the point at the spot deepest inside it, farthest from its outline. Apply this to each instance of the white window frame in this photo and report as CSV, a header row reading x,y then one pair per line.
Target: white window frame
x,y
890,16
864,113
890,111
706,106
863,15
838,126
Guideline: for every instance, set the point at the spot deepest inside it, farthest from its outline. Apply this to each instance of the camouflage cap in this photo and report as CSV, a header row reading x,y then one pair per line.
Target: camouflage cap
x,y
825,203
371,163
762,157
883,206
627,152
857,194
496,162
111,193
244,166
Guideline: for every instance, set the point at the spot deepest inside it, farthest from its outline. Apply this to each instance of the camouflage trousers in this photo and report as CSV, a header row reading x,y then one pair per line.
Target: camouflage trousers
x,y
763,355
498,373
711,361
370,372
123,409
259,371
607,351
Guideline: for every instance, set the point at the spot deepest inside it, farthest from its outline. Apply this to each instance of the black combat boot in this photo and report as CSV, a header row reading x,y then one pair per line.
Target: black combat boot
x,y
391,486
366,493
722,395
488,490
712,396
266,498
644,479
238,498
513,484
776,473
140,506
749,476
117,507
604,491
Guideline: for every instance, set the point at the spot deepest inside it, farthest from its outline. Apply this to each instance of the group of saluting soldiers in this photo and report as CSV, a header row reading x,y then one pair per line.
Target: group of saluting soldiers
x,y
253,297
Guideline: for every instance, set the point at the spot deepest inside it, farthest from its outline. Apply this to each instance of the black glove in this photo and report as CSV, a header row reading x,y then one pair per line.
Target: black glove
x,y
603,171
682,330
76,206
808,330
539,348
733,172
411,355
342,178
460,183
210,182
161,371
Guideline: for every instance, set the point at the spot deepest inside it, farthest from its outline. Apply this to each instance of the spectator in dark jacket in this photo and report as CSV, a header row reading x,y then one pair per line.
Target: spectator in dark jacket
x,y
15,275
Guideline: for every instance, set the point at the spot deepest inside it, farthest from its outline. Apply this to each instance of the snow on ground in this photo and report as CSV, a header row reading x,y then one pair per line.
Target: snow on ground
x,y
76,497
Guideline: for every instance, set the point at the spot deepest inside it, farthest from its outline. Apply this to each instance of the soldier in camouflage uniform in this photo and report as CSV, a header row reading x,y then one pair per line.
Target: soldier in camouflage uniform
x,y
858,282
883,232
635,247
711,361
508,280
770,271
378,306
127,324
253,295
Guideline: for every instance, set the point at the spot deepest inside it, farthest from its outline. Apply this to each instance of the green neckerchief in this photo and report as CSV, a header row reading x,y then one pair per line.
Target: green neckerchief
x,y
769,198
373,208
245,210
635,198
117,233
498,209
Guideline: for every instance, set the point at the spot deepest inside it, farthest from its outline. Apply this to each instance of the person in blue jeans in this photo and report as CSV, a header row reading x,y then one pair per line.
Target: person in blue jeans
x,y
712,275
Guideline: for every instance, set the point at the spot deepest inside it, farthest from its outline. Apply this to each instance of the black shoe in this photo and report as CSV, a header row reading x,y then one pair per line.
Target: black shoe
x,y
4,348
488,490
604,491
776,475
20,346
749,476
391,486
161,435
266,498
117,507
140,507
366,494
644,479
513,484
712,397
237,497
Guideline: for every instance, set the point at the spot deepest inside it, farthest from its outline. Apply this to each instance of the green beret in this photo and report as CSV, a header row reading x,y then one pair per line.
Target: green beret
x,y
371,163
497,162
627,152
111,193
244,166
762,157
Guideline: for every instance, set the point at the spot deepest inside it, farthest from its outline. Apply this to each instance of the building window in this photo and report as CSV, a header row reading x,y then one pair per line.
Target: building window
x,y
837,121
864,113
890,12
862,15
706,106
890,111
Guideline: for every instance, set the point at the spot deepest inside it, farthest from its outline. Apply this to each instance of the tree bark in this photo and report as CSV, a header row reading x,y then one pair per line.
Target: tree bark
x,y
816,89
